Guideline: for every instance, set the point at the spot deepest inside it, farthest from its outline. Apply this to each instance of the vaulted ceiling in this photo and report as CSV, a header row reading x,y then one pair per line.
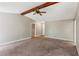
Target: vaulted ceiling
x,y
17,7
60,11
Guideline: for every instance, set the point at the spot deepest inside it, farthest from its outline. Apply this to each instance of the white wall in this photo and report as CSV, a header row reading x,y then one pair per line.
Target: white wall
x,y
62,29
14,27
74,33
77,29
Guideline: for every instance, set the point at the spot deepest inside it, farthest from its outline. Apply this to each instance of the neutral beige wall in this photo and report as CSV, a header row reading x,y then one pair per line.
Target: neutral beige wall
x,y
14,27
77,29
62,29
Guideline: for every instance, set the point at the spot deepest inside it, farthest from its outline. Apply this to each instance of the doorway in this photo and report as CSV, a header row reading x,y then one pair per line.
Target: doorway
x,y
33,30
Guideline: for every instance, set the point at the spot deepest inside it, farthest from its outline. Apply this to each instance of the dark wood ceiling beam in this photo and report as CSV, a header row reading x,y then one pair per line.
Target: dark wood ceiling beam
x,y
38,7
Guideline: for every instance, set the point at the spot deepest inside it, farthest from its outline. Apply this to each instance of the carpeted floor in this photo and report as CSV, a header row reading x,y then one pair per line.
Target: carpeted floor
x,y
40,47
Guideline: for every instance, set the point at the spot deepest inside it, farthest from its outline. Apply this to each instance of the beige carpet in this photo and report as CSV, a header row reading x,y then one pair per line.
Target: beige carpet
x,y
40,47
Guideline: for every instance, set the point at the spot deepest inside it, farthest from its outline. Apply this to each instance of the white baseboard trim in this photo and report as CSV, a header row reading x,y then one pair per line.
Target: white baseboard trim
x,y
12,42
63,39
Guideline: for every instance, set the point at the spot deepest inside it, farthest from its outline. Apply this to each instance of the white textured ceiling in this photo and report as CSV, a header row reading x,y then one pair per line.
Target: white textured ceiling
x,y
60,11
17,7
